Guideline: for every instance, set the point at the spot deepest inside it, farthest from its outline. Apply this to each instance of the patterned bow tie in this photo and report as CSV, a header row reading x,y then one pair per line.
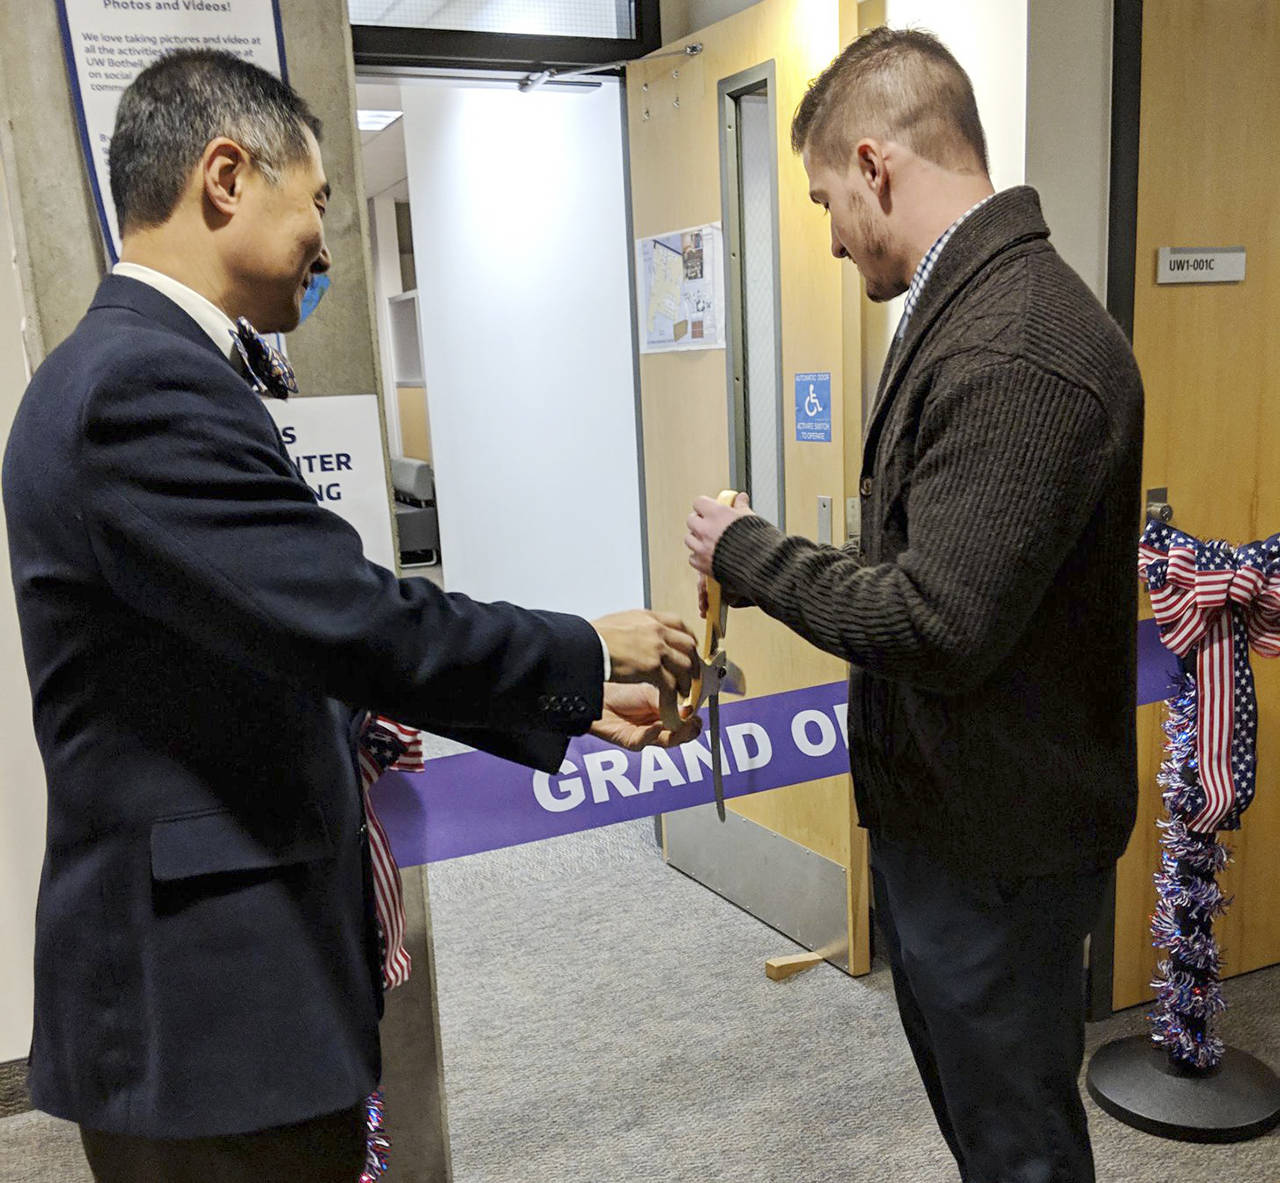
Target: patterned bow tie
x,y
268,369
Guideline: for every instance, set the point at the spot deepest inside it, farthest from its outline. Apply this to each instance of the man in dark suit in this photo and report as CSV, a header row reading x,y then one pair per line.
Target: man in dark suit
x,y
988,610
199,636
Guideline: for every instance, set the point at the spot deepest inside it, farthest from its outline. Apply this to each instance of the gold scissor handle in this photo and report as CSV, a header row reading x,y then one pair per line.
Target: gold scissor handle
x,y
717,619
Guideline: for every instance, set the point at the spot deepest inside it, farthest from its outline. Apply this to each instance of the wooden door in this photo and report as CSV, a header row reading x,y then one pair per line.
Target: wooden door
x,y
673,118
1210,355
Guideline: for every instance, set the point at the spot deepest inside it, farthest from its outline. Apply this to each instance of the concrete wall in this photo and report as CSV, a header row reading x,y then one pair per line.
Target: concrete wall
x,y
334,352
22,804
60,263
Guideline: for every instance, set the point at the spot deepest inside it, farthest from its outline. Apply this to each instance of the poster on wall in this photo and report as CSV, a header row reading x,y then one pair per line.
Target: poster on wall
x,y
108,43
335,443
681,290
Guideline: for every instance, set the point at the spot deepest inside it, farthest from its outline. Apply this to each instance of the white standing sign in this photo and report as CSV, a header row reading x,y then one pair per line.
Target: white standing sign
x,y
108,43
336,445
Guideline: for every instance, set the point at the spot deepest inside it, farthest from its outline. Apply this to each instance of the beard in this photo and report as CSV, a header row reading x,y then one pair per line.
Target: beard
x,y
875,263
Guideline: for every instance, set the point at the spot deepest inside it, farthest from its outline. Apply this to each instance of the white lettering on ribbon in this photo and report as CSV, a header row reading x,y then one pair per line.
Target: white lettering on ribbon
x,y
563,796
697,757
841,712
740,736
657,767
826,740
605,769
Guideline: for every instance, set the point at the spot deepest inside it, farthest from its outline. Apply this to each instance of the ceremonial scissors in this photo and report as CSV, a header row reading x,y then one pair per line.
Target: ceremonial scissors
x,y
717,673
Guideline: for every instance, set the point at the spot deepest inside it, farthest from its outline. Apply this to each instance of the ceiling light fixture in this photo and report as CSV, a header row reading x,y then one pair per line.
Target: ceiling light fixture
x,y
376,120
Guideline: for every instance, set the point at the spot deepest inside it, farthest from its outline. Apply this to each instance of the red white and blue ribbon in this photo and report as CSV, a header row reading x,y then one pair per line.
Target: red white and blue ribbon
x,y
385,744
1217,600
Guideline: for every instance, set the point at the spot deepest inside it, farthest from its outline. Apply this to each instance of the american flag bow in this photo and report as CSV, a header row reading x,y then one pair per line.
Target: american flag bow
x,y
1217,600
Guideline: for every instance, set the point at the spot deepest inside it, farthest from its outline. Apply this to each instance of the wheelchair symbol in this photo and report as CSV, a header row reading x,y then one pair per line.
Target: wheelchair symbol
x,y
811,404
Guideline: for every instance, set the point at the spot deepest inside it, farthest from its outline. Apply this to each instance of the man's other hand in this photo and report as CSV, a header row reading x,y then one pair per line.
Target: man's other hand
x,y
706,523
632,720
653,647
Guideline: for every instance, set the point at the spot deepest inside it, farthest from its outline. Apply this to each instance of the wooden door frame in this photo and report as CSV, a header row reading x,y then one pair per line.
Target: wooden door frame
x,y
1122,233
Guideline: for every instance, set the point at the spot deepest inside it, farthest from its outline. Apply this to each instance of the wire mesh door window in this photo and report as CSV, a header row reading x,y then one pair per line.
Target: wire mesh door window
x,y
749,179
759,281
549,18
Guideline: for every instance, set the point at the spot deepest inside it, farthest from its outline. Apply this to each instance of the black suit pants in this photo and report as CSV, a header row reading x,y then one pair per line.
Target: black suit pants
x,y
989,981
329,1149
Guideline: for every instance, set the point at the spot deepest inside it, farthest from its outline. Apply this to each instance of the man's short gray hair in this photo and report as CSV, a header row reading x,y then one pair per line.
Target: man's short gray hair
x,y
176,106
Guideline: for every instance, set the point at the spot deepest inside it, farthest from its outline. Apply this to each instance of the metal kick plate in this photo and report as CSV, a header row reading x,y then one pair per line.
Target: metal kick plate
x,y
802,894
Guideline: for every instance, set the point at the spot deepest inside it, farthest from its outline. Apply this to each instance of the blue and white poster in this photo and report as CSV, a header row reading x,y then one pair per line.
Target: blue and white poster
x,y
813,408
108,43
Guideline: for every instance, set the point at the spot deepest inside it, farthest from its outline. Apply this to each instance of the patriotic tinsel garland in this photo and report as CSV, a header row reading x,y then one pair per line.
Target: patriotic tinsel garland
x,y
1188,898
1212,603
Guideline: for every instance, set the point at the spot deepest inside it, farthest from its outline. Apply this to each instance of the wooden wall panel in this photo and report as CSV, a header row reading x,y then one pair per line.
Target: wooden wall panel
x,y
1210,355
415,427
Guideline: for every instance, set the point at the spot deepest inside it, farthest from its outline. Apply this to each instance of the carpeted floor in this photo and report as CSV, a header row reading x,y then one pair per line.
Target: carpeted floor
x,y
607,1019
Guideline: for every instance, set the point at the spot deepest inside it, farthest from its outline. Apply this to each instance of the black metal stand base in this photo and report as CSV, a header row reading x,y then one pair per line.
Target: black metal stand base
x,y
1132,1080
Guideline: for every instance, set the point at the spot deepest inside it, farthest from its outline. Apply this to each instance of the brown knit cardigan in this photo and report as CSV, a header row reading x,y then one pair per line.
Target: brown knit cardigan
x,y
989,612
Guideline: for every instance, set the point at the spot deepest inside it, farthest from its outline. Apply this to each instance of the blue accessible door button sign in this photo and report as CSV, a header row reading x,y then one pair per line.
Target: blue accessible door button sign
x,y
813,408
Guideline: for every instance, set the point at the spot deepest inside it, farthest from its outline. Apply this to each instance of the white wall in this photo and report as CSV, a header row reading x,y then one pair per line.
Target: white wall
x,y
1069,128
679,18
989,39
386,282
1042,75
521,254
22,790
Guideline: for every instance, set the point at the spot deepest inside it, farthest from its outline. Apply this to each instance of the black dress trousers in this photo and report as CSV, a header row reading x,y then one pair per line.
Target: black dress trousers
x,y
988,973
328,1149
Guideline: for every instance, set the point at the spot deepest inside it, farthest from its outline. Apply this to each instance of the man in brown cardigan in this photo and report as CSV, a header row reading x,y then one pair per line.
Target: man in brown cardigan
x,y
988,610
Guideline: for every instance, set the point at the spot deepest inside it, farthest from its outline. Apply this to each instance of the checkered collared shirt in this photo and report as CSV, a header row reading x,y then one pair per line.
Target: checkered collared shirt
x,y
925,269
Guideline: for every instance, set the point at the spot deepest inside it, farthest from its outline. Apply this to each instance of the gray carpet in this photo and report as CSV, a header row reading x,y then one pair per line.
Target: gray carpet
x,y
607,1019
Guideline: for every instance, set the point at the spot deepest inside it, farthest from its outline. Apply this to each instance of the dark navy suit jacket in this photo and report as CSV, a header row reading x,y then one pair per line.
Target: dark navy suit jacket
x,y
198,634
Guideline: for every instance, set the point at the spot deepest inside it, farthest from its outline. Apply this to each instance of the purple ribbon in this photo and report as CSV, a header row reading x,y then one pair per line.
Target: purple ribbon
x,y
472,802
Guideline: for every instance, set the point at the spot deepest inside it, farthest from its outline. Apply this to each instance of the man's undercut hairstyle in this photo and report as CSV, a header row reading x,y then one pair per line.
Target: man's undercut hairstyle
x,y
892,84
176,106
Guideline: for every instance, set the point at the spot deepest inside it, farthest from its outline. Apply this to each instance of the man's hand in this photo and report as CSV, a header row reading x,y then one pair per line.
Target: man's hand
x,y
653,647
706,523
725,598
631,720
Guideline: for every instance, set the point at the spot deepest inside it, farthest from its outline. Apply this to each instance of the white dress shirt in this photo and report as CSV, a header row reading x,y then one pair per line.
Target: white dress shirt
x,y
220,327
